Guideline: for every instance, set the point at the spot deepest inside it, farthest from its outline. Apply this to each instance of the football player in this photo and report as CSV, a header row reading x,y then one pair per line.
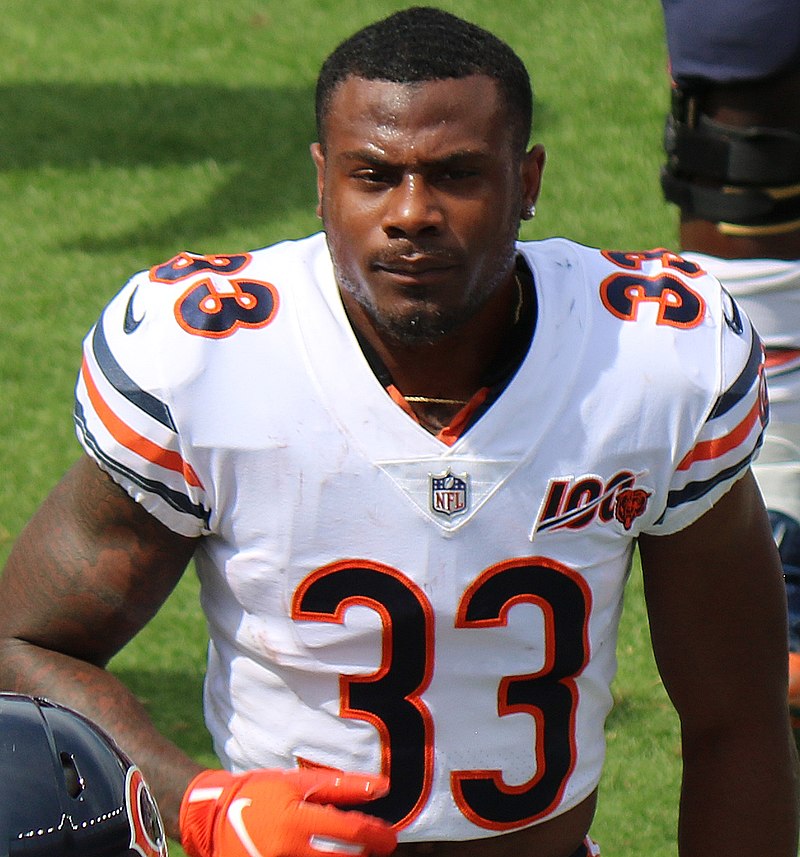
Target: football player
x,y
412,458
733,168
67,790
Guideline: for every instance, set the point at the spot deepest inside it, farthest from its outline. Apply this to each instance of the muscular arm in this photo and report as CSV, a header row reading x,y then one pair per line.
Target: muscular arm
x,y
717,610
88,572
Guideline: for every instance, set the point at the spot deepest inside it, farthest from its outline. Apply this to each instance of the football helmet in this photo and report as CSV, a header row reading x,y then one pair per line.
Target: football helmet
x,y
67,789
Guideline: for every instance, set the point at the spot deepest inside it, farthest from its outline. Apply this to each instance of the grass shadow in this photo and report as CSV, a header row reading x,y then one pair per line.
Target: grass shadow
x,y
259,136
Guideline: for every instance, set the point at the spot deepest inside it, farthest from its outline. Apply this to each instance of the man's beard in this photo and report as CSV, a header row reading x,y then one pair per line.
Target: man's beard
x,y
420,328
429,324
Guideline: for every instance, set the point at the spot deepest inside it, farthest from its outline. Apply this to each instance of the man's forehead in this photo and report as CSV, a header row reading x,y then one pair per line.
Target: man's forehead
x,y
380,89
360,103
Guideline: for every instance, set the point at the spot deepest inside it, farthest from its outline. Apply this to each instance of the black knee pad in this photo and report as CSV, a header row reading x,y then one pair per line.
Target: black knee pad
x,y
748,178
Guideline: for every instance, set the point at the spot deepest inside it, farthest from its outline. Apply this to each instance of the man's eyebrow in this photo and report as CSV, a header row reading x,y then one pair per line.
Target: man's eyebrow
x,y
367,155
370,156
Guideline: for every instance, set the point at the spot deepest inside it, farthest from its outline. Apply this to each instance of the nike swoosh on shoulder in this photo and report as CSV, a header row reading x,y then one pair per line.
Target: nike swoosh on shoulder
x,y
131,323
240,828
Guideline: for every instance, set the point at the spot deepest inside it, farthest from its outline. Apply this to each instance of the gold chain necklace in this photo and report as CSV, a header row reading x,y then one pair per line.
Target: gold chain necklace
x,y
520,300
435,400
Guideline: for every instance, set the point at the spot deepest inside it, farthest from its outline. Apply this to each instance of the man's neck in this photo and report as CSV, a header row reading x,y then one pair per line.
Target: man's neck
x,y
452,367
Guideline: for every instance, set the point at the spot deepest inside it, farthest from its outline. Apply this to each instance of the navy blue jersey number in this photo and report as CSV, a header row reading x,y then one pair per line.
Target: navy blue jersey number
x,y
392,698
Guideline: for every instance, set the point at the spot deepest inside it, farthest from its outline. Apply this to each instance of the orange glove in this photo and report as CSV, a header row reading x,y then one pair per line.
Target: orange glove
x,y
274,813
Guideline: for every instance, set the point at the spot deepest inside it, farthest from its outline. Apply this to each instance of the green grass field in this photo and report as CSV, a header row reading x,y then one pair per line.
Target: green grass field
x,y
131,129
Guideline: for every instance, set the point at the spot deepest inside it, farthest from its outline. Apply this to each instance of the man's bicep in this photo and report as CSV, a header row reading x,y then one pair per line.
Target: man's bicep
x,y
717,609
89,570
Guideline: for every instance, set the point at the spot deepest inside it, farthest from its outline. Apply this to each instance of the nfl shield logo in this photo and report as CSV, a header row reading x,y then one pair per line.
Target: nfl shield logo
x,y
449,493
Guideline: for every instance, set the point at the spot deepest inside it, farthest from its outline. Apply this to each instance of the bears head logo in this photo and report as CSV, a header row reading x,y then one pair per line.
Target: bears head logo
x,y
147,836
631,503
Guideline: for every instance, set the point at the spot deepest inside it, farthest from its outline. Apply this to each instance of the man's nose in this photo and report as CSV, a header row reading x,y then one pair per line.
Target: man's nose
x,y
413,207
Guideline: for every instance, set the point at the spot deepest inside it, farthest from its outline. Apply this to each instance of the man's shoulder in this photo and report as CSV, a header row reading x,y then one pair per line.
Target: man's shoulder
x,y
630,284
660,315
183,306
185,264
213,294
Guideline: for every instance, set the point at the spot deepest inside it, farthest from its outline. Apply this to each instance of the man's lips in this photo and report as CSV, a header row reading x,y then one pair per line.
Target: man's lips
x,y
413,270
415,267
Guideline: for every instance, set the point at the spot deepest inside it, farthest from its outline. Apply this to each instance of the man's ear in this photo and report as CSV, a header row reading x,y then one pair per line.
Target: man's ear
x,y
319,162
532,169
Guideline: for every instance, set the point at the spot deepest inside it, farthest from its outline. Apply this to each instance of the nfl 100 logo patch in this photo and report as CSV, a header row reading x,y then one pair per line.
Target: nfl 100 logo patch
x,y
449,494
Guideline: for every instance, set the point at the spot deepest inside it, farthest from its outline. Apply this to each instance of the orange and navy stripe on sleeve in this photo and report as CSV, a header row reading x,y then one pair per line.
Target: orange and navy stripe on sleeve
x,y
731,436
132,434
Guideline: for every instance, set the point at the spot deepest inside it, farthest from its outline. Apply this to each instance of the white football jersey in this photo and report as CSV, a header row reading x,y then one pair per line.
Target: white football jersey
x,y
377,599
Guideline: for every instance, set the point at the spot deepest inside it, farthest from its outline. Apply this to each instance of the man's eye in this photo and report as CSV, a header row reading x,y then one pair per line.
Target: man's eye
x,y
372,176
458,174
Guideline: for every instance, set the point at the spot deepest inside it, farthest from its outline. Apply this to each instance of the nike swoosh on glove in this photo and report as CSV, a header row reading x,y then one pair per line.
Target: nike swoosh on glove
x,y
276,813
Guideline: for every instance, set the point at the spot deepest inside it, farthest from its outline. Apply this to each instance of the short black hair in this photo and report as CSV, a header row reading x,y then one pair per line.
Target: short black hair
x,y
423,43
